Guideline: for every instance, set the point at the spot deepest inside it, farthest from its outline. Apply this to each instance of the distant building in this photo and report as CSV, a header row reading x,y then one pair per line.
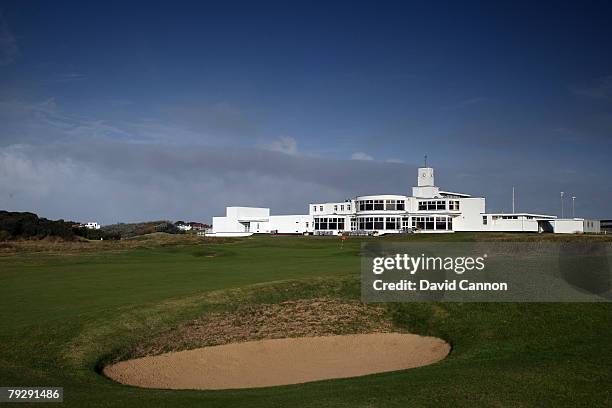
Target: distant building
x,y
427,210
182,226
198,226
92,225
189,226
606,226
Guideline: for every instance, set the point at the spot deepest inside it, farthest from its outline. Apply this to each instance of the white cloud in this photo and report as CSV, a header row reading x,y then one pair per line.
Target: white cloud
x,y
284,144
361,156
111,181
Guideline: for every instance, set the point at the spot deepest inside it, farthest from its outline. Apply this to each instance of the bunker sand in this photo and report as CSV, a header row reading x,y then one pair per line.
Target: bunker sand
x,y
284,361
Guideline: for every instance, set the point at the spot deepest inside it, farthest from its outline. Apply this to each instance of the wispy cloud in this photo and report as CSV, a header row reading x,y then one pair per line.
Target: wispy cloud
x,y
361,156
284,144
601,88
70,77
469,102
8,44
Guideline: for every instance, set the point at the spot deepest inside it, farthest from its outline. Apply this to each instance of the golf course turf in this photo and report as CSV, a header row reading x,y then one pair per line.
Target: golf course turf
x,y
65,315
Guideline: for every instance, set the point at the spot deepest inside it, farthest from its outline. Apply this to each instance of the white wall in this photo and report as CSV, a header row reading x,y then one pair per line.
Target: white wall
x,y
568,226
470,217
291,224
518,225
230,225
247,213
425,192
226,224
342,208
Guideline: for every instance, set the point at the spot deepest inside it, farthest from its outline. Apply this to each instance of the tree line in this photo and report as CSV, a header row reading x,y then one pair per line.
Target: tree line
x,y
27,225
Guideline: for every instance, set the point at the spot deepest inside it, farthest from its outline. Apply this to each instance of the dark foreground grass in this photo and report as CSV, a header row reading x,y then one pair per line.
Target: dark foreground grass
x,y
64,316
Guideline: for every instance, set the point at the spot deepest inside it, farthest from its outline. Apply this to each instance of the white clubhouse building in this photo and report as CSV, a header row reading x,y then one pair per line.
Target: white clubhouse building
x,y
427,210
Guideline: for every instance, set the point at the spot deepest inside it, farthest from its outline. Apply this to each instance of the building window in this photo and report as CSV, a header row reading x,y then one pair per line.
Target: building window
x,y
348,207
328,223
371,223
423,223
366,205
405,223
393,223
335,208
332,224
484,220
432,205
453,205
441,223
320,208
341,208
379,223
379,205
394,205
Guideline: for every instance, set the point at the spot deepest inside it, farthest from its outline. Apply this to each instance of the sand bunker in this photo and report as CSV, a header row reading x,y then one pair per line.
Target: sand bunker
x,y
285,361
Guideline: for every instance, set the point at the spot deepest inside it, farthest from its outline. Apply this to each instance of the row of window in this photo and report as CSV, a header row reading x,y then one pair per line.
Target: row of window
x,y
395,205
365,223
435,205
432,223
381,205
386,223
329,223
380,223
348,207
336,206
505,217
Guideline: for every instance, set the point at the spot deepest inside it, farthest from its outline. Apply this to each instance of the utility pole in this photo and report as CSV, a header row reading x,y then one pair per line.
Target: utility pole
x,y
573,207
513,200
562,193
425,160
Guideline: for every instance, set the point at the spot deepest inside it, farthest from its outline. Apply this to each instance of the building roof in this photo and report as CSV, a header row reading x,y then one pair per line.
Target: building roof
x,y
524,214
453,193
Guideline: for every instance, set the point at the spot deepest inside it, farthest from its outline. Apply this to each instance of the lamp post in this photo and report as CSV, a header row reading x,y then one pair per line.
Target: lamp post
x,y
562,193
573,207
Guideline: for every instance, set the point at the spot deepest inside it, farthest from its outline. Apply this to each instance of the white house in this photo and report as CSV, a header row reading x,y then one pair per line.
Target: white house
x,y
92,225
245,221
427,210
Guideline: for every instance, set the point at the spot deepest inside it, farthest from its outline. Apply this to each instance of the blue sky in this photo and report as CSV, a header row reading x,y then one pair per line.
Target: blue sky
x,y
123,111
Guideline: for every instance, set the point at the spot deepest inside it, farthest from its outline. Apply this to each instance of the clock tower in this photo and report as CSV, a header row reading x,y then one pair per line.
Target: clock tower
x,y
425,177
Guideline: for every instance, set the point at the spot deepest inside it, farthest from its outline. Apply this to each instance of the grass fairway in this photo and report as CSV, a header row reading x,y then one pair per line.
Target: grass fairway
x,y
64,314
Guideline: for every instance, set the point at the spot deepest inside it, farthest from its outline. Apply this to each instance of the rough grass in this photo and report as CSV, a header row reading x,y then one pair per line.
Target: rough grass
x,y
58,246
292,318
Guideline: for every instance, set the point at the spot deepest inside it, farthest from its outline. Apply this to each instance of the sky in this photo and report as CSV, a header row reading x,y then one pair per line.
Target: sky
x,y
132,111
